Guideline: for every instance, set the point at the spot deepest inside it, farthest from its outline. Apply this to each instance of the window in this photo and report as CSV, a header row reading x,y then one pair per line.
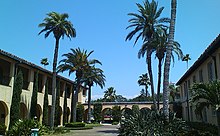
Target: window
x,y
188,89
84,92
210,71
185,89
200,76
194,79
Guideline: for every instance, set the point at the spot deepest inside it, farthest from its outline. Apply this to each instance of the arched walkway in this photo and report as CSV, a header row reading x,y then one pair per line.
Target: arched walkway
x,y
107,114
3,113
68,114
23,111
86,114
126,111
58,121
39,112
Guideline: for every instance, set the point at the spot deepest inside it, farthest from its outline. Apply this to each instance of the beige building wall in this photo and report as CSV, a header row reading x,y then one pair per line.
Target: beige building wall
x,y
200,74
7,71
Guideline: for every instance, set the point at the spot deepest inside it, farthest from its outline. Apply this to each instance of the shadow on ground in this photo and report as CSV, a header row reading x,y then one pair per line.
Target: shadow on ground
x,y
109,131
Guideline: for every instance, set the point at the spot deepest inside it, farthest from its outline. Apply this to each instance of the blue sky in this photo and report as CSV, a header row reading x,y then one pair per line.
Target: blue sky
x,y
100,26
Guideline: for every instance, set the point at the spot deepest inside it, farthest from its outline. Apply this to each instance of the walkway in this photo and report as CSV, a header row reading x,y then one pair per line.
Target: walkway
x,y
106,130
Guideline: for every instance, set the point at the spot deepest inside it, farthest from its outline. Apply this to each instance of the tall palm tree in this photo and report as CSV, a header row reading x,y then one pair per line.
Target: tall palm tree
x,y
210,95
76,61
144,81
93,76
110,95
168,60
145,23
186,58
159,46
58,25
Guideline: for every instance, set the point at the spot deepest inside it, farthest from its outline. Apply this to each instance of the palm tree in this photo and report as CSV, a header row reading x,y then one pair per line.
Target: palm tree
x,y
186,58
76,61
210,94
58,25
110,95
168,60
144,81
44,61
159,46
145,23
93,75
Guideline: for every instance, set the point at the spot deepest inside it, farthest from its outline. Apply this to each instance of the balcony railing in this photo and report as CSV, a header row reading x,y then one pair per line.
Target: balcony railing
x,y
5,80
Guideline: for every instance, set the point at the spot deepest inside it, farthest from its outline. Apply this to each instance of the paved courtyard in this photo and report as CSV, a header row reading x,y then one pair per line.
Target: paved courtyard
x,y
106,130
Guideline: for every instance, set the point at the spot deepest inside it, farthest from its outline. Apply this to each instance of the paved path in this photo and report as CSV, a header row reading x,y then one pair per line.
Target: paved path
x,y
106,130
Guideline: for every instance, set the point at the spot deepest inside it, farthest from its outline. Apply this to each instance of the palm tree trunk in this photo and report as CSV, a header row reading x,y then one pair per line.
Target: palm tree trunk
x,y
54,83
168,60
218,120
75,100
149,67
159,83
89,105
72,105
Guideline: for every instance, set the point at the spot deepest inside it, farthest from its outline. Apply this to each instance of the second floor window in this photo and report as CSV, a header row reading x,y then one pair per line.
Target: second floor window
x,y
200,76
210,71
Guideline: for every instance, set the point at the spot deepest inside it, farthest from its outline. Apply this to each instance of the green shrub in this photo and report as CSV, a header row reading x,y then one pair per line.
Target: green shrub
x,y
2,129
115,123
97,112
135,109
116,113
79,113
75,124
152,123
23,128
16,97
60,130
202,128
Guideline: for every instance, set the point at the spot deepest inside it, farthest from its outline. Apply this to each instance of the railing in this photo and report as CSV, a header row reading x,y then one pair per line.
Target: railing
x,y
5,80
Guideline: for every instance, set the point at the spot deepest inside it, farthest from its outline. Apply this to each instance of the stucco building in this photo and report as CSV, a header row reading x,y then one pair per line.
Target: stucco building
x,y
9,65
205,69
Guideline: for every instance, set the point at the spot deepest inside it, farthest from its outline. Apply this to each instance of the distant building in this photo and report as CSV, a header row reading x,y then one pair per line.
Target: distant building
x,y
9,65
205,69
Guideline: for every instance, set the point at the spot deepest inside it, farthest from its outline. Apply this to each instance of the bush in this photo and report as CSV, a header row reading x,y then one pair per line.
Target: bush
x,y
23,128
75,124
97,112
116,113
201,128
60,130
115,123
2,129
152,123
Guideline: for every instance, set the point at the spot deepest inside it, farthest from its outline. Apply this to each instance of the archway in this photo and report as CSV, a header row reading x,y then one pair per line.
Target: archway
x,y
38,112
58,117
23,111
126,112
68,114
144,110
3,113
107,115
86,115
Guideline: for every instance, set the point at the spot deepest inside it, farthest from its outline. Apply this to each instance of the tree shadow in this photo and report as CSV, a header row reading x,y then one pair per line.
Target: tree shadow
x,y
109,131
